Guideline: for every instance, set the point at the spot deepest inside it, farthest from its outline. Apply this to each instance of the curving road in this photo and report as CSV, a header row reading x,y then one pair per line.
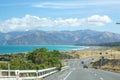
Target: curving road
x,y
77,72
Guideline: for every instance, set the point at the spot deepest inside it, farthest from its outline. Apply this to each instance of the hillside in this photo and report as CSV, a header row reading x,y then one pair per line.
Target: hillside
x,y
110,44
107,64
57,37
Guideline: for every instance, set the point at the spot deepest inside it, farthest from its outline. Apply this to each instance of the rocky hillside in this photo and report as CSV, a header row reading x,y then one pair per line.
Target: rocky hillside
x,y
107,64
57,37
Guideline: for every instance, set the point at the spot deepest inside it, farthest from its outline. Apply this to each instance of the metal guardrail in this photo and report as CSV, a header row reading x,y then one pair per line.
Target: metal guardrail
x,y
64,68
28,74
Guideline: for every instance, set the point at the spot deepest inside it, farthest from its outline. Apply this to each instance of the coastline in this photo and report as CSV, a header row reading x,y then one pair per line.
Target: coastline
x,y
90,51
28,48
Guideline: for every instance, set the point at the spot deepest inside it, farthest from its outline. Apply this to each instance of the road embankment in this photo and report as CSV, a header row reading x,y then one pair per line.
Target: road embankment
x,y
107,64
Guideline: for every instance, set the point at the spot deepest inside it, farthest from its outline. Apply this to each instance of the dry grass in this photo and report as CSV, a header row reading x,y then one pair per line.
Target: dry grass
x,y
108,53
107,64
63,62
111,68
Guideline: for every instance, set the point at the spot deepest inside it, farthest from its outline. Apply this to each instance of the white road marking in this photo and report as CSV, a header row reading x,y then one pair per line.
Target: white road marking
x,y
73,68
67,75
95,74
101,78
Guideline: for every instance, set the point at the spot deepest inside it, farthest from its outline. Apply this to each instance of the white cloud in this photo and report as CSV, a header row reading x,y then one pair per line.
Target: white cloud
x,y
57,5
29,22
63,4
75,4
97,20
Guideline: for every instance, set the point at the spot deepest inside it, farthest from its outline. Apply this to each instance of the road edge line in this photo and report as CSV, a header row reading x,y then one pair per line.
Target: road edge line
x,y
67,75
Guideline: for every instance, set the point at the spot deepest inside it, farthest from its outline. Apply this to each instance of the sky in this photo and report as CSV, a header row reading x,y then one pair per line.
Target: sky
x,y
58,15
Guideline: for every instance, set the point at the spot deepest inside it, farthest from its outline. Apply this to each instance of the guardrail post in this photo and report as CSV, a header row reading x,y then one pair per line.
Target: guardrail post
x,y
8,69
0,73
17,74
37,73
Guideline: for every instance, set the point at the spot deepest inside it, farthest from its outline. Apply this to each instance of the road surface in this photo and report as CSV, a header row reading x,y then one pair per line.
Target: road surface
x,y
77,72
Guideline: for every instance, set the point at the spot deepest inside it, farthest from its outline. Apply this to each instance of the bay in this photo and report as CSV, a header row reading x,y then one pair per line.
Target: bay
x,y
28,48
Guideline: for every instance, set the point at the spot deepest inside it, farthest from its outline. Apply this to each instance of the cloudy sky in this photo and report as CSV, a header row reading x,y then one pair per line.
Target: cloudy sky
x,y
24,15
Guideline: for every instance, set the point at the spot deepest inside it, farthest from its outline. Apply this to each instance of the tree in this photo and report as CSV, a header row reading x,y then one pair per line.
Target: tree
x,y
44,58
18,63
38,58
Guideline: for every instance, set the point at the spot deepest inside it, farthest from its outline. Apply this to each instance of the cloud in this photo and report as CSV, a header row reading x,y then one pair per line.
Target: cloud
x,y
97,20
57,5
63,4
29,22
75,4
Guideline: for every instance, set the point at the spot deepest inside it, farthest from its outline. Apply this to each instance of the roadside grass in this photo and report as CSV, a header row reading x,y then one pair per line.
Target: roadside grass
x,y
108,53
107,64
111,56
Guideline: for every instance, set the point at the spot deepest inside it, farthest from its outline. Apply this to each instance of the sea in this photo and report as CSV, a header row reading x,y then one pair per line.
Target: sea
x,y
28,48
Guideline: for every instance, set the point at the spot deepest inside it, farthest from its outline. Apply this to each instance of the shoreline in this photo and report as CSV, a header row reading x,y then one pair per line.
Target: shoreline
x,y
91,51
13,49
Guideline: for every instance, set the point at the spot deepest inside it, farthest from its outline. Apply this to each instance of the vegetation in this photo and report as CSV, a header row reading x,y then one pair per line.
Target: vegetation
x,y
108,44
38,59
116,48
107,64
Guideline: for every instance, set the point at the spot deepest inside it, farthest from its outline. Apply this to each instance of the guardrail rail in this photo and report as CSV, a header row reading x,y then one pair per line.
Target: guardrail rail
x,y
28,74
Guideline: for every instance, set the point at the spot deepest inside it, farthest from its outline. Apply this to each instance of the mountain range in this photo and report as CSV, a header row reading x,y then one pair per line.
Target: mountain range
x,y
57,37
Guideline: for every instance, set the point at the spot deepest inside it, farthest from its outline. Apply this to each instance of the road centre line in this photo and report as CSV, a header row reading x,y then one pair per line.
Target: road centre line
x,y
101,78
67,75
95,74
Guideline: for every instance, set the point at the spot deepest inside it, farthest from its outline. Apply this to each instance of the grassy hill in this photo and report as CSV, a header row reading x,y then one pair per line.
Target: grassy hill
x,y
107,64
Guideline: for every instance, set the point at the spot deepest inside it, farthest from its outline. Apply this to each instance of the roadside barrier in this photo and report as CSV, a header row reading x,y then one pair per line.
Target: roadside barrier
x,y
28,74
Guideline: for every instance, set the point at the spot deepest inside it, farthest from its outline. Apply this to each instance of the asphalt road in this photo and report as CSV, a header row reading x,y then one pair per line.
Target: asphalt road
x,y
77,72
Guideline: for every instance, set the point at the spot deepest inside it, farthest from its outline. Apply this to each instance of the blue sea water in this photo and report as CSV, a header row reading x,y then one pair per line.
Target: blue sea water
x,y
24,48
